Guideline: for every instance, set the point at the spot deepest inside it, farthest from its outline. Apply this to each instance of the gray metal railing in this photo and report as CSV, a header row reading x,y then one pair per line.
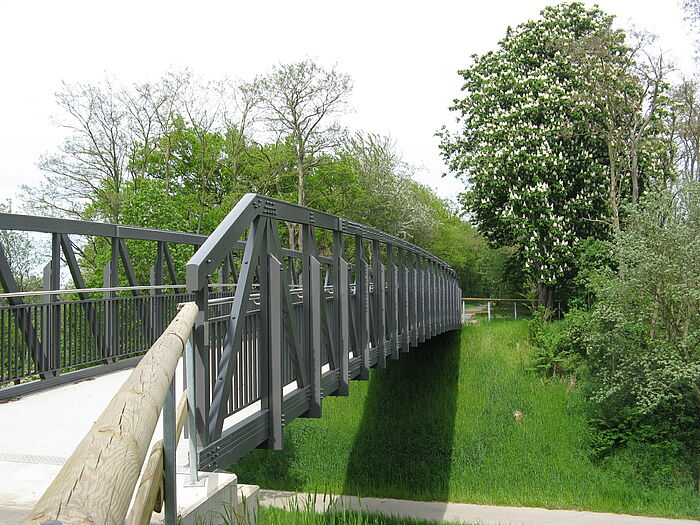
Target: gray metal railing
x,y
279,327
53,336
302,322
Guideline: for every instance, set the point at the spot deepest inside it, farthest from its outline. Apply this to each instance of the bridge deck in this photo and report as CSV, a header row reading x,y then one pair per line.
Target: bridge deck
x,y
40,431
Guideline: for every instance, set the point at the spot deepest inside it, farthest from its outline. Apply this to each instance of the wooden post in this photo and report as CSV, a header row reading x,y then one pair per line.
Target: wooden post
x,y
97,482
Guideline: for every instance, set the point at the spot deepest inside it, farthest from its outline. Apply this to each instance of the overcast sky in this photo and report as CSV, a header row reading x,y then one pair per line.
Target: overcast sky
x,y
403,57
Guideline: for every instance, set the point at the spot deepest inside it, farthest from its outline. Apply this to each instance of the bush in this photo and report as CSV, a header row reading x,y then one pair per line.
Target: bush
x,y
559,346
643,343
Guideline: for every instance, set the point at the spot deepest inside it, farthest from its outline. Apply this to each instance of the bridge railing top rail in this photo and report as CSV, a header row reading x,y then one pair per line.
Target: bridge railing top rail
x,y
227,235
13,221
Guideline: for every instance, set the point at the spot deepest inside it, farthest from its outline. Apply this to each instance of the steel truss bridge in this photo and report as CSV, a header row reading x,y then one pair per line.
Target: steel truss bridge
x,y
276,328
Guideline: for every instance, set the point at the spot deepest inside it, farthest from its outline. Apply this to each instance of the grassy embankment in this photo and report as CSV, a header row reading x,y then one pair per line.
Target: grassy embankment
x,y
439,425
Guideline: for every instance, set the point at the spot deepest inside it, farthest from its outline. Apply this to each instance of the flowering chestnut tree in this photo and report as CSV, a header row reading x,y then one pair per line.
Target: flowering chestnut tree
x,y
535,168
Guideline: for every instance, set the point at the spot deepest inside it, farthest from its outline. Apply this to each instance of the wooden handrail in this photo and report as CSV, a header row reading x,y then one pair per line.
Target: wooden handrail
x,y
149,495
96,484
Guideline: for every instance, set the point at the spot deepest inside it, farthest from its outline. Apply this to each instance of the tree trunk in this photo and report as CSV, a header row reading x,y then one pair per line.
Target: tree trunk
x,y
545,298
301,195
293,236
613,195
294,229
634,173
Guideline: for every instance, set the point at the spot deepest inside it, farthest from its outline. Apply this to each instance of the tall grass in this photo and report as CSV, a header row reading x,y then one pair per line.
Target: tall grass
x,y
439,425
275,516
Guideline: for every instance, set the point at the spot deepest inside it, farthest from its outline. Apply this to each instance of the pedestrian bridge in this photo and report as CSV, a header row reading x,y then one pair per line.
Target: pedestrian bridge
x,y
262,331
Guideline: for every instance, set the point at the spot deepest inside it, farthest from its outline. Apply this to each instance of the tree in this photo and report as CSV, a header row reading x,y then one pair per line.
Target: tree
x,y
111,130
685,127
296,102
383,190
628,87
536,175
22,254
92,160
692,16
643,345
152,110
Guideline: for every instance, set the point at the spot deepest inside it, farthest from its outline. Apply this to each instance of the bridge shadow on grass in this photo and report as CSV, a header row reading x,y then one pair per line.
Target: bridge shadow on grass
x,y
403,447
271,469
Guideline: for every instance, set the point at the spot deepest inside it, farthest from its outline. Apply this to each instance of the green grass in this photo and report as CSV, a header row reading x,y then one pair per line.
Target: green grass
x,y
274,516
438,425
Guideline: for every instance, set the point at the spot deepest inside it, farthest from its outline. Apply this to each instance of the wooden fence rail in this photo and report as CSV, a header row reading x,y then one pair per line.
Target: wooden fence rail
x,y
97,482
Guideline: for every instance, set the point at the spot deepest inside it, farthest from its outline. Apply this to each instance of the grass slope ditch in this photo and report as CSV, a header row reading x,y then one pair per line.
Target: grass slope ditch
x,y
439,425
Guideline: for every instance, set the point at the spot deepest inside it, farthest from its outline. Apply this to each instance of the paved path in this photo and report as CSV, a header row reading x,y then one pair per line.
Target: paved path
x,y
469,314
460,512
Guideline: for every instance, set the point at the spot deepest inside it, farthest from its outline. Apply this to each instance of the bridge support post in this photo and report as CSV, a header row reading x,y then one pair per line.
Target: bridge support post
x,y
379,305
341,308
434,292
192,433
441,299
169,456
52,281
413,301
420,286
312,318
110,347
201,367
393,307
271,347
404,322
157,312
362,308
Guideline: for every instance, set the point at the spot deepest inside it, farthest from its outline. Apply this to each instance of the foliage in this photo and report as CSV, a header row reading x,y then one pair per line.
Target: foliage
x,y
627,86
295,103
148,203
536,176
685,127
644,350
554,354
22,255
272,515
591,256
560,126
181,151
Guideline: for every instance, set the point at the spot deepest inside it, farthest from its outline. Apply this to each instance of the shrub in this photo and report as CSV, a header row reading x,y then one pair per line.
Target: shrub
x,y
559,346
643,344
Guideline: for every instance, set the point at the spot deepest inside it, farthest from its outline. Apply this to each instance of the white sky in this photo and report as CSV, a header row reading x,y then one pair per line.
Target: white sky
x,y
403,57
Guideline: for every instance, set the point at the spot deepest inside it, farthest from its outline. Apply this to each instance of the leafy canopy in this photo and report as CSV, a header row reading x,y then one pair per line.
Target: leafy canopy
x,y
536,176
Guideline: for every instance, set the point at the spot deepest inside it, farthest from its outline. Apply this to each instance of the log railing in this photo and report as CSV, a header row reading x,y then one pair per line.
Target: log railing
x,y
97,482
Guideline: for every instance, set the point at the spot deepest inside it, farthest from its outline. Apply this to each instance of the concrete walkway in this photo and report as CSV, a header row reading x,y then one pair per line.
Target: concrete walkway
x,y
458,512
